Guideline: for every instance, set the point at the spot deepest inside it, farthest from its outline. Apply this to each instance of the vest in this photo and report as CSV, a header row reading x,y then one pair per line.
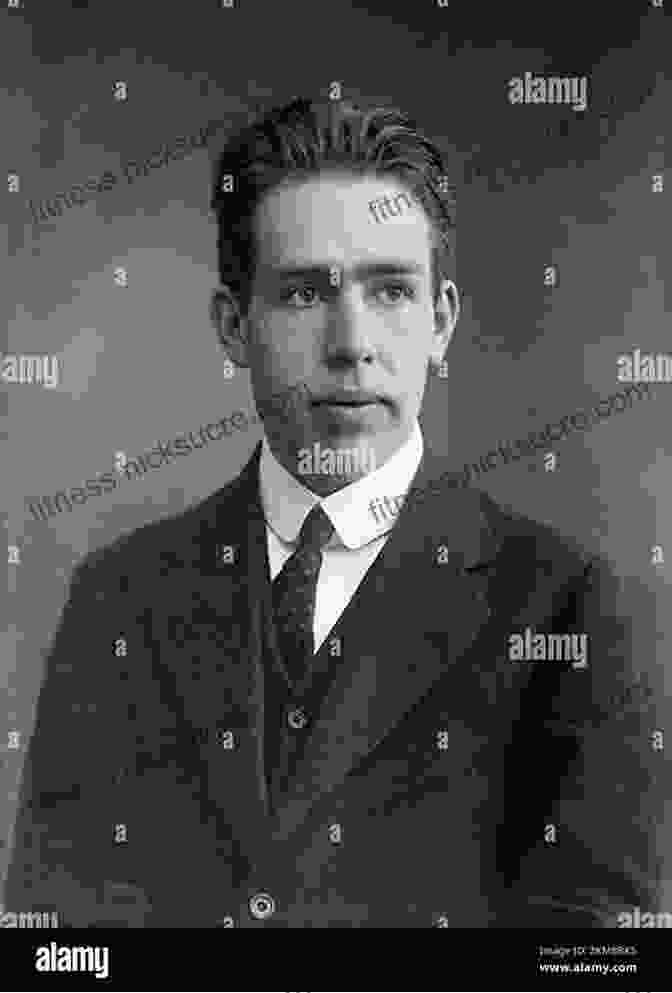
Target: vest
x,y
290,712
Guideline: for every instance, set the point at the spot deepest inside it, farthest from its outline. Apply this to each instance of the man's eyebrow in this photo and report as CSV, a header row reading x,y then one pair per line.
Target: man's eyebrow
x,y
364,271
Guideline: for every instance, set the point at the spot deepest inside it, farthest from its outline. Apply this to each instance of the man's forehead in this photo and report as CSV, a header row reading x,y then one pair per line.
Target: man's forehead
x,y
336,202
333,226
338,183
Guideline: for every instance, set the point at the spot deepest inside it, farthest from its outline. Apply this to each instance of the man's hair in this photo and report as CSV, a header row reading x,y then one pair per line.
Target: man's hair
x,y
306,138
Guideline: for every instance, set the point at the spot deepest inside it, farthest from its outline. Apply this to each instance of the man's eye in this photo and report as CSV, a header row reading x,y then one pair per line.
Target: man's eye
x,y
290,291
404,288
396,289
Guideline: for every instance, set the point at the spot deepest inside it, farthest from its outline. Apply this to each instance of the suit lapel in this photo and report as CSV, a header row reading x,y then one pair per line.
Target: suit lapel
x,y
413,617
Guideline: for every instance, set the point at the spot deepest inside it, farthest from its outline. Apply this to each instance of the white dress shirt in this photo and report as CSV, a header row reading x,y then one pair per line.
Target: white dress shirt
x,y
358,537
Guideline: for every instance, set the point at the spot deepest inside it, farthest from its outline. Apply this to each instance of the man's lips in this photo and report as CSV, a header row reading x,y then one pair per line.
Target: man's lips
x,y
348,398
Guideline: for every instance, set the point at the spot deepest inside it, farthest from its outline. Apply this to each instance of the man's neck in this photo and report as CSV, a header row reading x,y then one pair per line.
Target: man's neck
x,y
323,483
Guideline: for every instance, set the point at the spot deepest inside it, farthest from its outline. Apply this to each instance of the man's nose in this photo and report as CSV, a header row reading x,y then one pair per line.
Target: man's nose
x,y
349,332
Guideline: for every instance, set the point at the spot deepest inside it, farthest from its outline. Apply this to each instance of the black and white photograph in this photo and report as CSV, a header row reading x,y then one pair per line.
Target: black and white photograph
x,y
338,520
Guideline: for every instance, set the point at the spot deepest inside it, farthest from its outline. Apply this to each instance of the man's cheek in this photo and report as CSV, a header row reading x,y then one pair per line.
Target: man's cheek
x,y
297,399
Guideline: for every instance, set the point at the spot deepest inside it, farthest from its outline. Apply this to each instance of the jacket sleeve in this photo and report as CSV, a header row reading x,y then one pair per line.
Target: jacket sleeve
x,y
64,853
594,856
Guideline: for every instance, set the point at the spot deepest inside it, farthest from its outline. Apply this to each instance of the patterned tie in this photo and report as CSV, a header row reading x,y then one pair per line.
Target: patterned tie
x,y
294,594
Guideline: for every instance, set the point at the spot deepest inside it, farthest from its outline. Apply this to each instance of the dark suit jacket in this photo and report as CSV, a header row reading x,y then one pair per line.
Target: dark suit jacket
x,y
456,836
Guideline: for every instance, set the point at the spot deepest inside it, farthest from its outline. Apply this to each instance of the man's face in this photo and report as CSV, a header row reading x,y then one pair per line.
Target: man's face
x,y
324,320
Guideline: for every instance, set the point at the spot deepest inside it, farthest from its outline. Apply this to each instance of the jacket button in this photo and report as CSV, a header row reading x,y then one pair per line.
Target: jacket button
x,y
297,718
262,906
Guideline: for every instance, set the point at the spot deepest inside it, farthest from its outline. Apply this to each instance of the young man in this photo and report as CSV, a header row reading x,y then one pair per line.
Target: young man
x,y
283,709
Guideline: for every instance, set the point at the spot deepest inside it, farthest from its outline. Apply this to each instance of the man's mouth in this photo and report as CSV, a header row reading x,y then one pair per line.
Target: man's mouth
x,y
348,398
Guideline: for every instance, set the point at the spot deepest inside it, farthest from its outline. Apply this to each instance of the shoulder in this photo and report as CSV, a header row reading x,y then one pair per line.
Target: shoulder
x,y
523,535
590,582
514,537
137,558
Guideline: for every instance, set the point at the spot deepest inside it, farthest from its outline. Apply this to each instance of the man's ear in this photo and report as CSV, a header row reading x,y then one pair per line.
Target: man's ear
x,y
446,316
231,327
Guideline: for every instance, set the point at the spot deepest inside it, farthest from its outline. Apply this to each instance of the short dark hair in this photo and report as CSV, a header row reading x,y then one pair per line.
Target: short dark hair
x,y
305,138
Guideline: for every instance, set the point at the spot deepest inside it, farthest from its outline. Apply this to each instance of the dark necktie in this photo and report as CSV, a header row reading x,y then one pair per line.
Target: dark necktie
x,y
294,594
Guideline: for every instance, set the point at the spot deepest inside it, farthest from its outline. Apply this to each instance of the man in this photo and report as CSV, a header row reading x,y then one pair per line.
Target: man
x,y
285,709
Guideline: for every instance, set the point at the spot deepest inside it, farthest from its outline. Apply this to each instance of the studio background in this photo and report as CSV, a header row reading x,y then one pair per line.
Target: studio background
x,y
536,185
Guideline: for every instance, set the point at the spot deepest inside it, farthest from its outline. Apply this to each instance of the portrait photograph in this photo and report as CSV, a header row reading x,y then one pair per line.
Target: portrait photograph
x,y
338,519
